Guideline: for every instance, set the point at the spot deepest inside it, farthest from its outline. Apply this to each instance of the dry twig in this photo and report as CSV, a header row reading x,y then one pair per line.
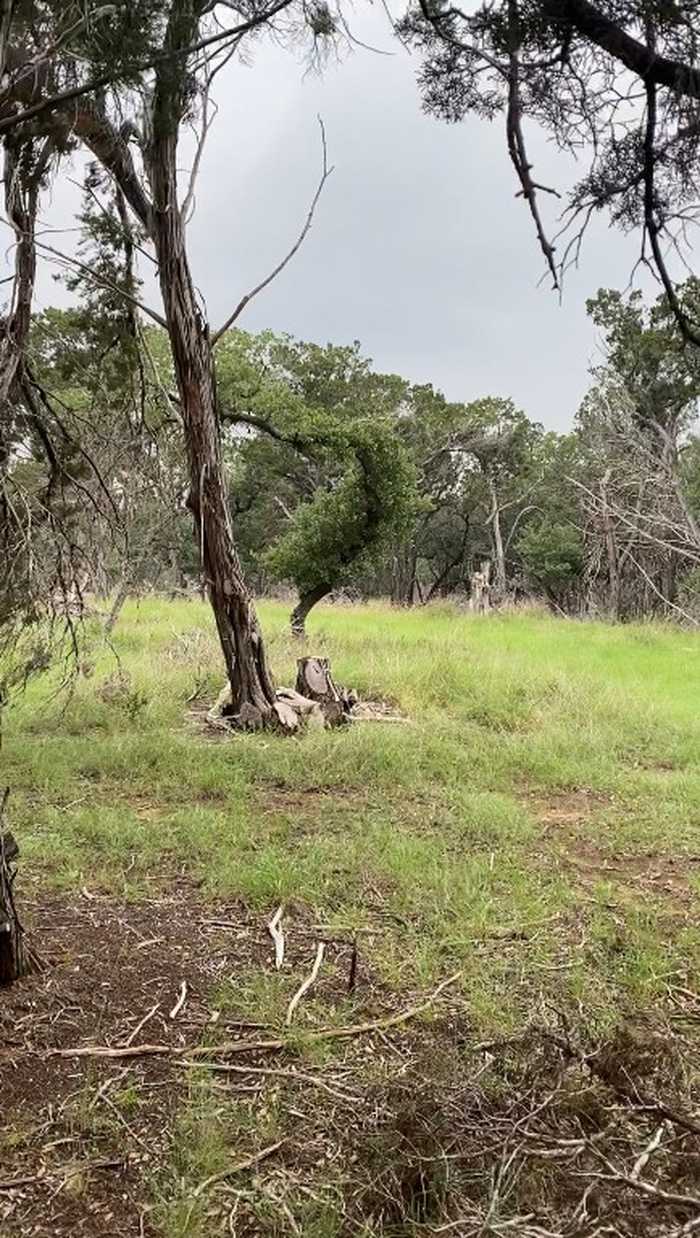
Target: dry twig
x,y
274,928
258,1046
304,988
182,998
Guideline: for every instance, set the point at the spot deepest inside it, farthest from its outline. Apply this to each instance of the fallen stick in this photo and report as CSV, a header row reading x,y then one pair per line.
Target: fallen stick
x,y
13,1184
304,988
259,1046
182,997
238,1168
651,1147
299,1076
248,1163
132,1037
274,928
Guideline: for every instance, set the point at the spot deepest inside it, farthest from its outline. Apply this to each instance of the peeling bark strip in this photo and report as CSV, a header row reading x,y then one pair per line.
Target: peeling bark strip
x,y
15,959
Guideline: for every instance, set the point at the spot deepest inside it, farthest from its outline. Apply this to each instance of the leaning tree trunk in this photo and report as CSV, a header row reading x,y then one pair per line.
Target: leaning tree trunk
x,y
252,688
301,611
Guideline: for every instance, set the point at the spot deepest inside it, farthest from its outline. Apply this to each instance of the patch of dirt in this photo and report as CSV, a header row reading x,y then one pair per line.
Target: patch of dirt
x,y
572,816
414,1123
659,875
565,808
279,798
109,967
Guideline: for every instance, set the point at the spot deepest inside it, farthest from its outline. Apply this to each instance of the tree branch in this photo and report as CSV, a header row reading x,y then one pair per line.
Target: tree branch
x,y
89,274
517,149
587,20
106,79
653,227
325,173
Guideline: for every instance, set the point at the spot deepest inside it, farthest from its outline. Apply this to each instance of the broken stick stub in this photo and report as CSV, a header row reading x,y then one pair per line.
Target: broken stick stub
x,y
16,959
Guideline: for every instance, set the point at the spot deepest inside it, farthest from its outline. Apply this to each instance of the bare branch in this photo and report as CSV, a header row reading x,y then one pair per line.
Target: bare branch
x,y
518,152
99,280
325,173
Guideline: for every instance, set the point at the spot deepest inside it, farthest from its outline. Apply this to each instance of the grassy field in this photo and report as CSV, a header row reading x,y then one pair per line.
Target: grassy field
x,y
532,823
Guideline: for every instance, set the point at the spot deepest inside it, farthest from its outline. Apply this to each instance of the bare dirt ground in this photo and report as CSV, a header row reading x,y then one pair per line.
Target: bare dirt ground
x,y
410,1127
112,972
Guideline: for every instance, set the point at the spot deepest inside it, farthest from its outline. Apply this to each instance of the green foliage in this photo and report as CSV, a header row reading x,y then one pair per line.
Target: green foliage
x,y
325,482
345,529
508,720
648,356
552,555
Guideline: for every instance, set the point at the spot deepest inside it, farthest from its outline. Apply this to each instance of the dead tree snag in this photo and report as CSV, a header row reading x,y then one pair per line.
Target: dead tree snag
x,y
16,959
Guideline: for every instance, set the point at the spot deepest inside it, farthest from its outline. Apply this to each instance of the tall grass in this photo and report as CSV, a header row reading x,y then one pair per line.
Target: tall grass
x,y
440,826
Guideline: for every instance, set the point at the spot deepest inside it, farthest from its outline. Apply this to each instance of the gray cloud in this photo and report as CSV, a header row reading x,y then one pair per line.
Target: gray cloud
x,y
419,248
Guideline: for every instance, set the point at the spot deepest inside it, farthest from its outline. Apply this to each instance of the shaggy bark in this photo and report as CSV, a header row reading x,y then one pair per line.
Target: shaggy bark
x,y
252,688
15,959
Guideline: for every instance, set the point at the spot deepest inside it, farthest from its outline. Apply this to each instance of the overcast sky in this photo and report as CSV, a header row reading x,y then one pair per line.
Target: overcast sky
x,y
419,247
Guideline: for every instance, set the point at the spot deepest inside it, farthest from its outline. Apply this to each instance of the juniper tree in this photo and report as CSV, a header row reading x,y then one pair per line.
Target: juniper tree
x,y
120,82
619,82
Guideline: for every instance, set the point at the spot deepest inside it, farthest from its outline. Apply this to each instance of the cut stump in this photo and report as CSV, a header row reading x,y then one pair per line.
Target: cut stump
x,y
315,682
316,702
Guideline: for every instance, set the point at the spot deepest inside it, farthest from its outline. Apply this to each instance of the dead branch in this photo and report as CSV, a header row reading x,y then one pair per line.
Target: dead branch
x,y
142,1023
274,928
182,998
13,1184
248,1163
270,1045
299,1076
304,988
641,1162
325,173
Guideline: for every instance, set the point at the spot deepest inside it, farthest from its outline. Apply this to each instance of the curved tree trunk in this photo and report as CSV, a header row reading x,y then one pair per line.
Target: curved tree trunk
x,y
252,689
306,602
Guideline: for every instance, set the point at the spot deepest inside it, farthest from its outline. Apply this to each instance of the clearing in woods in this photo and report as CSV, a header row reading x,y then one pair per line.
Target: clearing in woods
x,y
533,825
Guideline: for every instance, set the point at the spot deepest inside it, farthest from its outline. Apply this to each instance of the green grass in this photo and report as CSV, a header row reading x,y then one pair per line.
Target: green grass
x,y
437,829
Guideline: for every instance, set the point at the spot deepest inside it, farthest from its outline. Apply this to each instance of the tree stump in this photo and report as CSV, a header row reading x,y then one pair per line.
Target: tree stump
x,y
315,682
16,959
316,702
